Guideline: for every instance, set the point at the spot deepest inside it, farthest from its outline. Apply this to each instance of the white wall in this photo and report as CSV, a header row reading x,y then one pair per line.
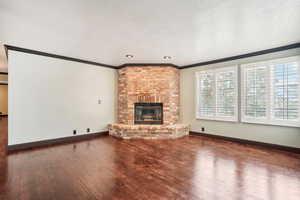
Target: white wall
x,y
49,97
287,136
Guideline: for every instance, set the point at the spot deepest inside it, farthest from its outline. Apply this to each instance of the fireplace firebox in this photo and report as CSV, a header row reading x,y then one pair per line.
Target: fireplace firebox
x,y
148,113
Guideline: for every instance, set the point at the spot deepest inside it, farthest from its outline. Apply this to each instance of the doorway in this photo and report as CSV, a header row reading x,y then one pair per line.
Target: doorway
x,y
3,102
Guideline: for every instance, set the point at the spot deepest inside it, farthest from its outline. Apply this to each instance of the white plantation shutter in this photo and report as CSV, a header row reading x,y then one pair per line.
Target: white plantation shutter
x,y
226,93
255,92
206,97
285,90
217,94
270,92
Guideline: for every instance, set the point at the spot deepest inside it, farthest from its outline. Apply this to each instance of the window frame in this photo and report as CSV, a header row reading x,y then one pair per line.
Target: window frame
x,y
243,90
269,119
273,121
215,71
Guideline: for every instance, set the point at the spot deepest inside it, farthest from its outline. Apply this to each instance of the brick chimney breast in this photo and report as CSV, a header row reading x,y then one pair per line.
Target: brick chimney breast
x,y
151,84
154,86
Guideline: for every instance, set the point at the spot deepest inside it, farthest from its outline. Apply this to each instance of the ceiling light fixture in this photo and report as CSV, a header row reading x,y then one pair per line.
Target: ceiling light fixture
x,y
167,57
129,56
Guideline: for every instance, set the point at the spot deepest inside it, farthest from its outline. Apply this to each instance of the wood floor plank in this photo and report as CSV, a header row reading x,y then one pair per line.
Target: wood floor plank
x,y
189,168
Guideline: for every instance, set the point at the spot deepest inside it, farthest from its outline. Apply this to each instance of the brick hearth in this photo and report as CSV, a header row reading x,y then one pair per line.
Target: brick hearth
x,y
148,131
148,84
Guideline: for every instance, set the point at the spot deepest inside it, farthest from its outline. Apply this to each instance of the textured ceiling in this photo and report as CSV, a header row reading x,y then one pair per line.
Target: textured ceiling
x,y
190,31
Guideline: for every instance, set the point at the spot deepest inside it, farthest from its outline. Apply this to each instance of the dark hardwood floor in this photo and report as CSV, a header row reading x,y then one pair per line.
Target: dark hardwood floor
x,y
193,167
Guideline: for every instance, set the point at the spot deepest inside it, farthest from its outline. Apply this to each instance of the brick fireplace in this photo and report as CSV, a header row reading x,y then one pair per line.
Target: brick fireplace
x,y
148,103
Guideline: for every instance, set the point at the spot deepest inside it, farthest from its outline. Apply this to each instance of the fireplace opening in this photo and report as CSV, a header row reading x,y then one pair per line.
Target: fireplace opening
x,y
148,113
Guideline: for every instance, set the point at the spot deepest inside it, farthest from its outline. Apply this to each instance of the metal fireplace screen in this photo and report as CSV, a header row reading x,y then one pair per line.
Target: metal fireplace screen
x,y
148,113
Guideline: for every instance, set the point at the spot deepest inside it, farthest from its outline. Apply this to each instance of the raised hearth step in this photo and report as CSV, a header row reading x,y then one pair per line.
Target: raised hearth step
x,y
126,131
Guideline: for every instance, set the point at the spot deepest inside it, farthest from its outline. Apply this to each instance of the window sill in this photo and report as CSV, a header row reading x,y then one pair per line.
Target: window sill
x,y
281,124
273,123
217,119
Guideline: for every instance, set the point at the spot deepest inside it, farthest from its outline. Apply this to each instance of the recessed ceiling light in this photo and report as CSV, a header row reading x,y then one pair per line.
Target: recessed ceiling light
x,y
167,57
129,56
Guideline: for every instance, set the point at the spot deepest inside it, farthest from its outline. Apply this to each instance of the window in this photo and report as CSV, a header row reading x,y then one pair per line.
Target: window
x,y
270,92
255,92
217,94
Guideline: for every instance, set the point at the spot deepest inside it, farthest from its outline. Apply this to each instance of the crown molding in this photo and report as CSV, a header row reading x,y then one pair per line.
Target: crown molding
x,y
148,65
226,59
247,55
41,53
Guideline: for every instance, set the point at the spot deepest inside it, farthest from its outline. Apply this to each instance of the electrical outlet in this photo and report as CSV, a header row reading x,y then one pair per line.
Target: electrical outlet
x,y
88,130
202,129
74,132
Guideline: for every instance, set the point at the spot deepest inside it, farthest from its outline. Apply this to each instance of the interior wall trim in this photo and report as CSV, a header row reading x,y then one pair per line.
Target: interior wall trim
x,y
247,55
148,65
226,59
248,142
41,53
47,143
